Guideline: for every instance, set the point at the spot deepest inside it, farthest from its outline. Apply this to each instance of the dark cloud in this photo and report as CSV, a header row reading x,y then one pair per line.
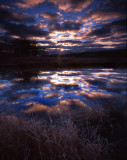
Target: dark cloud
x,y
119,23
117,26
65,26
76,42
6,15
46,42
9,24
23,30
109,28
117,4
70,41
103,31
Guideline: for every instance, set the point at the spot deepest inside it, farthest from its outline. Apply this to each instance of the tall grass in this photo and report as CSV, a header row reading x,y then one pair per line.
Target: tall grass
x,y
79,136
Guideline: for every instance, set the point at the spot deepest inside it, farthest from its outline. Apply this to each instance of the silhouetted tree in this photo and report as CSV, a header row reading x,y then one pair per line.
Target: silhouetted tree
x,y
43,52
33,49
25,47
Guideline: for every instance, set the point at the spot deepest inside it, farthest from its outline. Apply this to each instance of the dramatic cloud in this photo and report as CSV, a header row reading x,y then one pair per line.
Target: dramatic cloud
x,y
66,25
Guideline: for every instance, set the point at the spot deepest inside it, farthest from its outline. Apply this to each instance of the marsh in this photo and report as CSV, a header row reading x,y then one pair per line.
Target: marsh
x,y
86,103
22,91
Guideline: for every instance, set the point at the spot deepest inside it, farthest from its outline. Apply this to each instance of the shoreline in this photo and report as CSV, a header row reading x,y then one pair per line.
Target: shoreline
x,y
101,59
46,63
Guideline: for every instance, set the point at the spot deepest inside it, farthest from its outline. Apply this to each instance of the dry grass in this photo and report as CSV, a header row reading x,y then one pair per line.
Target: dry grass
x,y
63,140
82,134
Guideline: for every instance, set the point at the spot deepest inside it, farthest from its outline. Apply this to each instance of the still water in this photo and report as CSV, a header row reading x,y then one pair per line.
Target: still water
x,y
50,91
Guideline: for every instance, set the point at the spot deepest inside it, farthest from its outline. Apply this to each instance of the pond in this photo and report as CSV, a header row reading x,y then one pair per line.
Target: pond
x,y
58,91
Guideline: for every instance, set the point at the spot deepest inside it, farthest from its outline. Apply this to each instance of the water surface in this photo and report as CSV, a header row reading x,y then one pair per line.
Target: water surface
x,y
50,91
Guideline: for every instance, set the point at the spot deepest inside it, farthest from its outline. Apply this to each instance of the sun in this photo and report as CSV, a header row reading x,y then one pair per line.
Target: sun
x,y
61,49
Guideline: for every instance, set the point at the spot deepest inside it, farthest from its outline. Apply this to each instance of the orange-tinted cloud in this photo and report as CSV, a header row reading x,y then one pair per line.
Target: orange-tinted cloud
x,y
4,7
42,25
29,3
50,16
101,15
72,5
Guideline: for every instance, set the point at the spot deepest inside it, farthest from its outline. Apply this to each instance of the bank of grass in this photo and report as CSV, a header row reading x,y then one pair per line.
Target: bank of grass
x,y
71,61
81,135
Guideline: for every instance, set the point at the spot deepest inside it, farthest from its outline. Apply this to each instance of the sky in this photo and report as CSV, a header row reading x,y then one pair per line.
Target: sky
x,y
65,26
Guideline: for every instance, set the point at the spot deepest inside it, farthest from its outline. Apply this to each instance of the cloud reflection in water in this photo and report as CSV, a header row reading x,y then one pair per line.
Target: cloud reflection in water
x,y
58,90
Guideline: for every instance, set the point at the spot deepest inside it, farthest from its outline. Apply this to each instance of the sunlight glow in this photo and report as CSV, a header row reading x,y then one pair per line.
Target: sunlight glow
x,y
61,49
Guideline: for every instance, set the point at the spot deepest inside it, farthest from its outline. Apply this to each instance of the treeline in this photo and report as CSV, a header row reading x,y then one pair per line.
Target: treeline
x,y
22,47
116,53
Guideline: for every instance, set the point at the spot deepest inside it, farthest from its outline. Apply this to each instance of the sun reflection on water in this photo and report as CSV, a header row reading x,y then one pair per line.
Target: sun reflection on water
x,y
58,90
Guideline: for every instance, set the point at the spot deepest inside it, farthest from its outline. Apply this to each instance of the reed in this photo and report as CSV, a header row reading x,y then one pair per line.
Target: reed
x,y
35,139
